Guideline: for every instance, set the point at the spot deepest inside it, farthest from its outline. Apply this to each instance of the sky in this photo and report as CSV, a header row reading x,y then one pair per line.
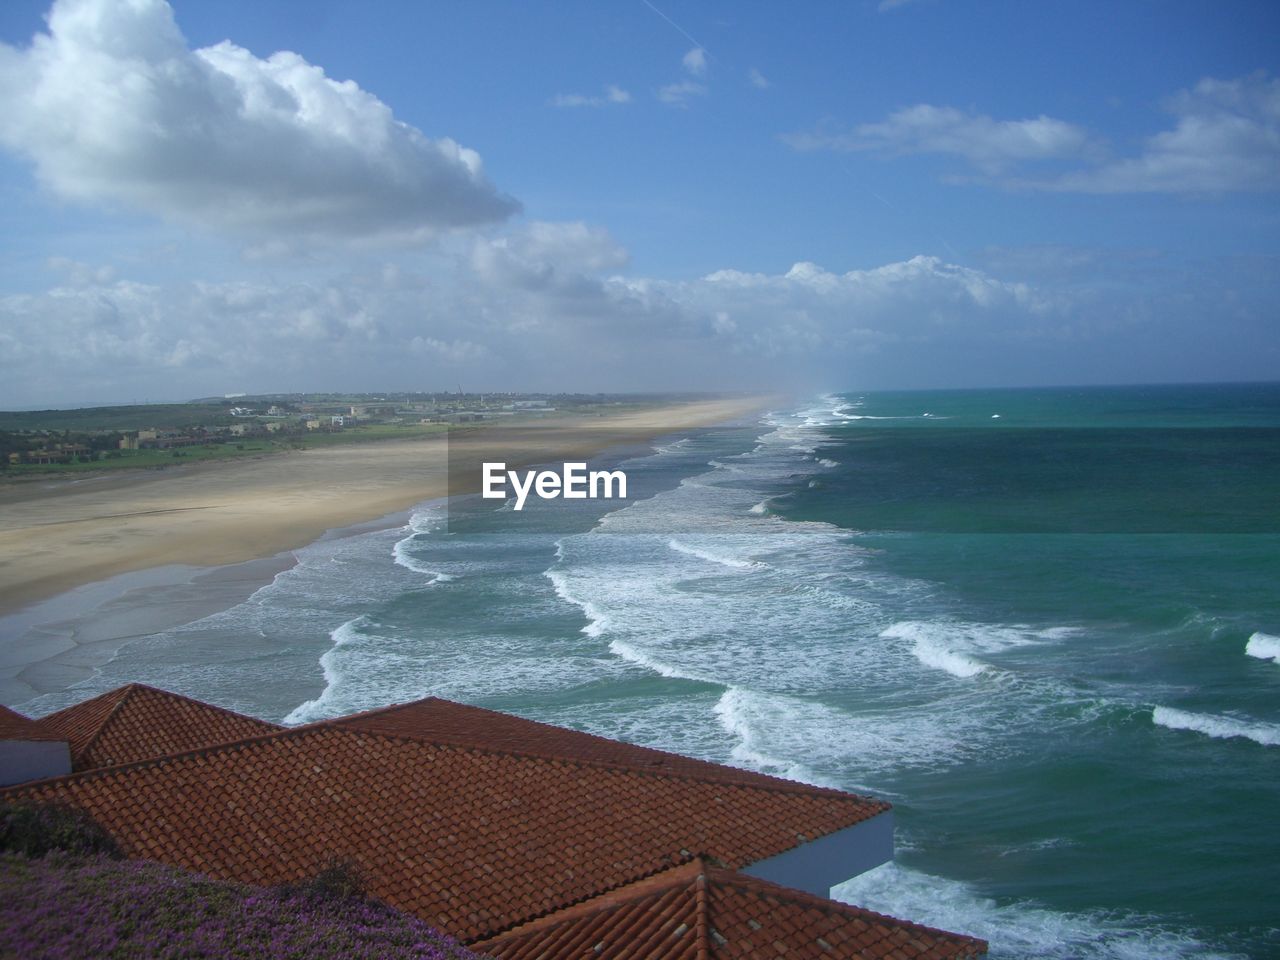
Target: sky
x,y
208,198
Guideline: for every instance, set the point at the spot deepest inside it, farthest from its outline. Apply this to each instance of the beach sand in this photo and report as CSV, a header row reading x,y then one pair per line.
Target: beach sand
x,y
88,564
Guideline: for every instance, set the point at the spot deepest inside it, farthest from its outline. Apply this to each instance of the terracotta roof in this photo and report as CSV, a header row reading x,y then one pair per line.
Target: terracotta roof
x,y
138,722
456,724
473,839
15,726
698,912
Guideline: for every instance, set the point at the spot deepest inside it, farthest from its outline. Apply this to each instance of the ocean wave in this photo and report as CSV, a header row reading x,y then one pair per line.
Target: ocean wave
x,y
421,524
739,713
326,704
1019,929
953,646
828,463
772,730
597,622
1263,646
760,508
1216,726
626,651
710,556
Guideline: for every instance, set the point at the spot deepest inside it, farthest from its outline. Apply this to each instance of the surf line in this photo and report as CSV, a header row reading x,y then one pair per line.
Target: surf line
x,y
573,482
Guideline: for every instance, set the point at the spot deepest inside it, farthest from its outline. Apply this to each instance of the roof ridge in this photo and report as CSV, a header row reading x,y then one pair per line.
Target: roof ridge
x,y
756,885
126,691
550,912
227,711
774,784
702,910
93,772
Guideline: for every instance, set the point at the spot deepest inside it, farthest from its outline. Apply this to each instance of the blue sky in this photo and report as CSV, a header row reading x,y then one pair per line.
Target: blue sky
x,y
205,198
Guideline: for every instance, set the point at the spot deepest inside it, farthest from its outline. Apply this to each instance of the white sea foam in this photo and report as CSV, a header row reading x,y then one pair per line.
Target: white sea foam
x,y
1263,646
1019,929
421,524
711,556
955,646
760,508
1219,727
325,705
828,463
932,654
627,652
739,712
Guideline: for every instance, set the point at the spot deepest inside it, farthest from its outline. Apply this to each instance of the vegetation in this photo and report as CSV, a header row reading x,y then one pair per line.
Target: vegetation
x,y
37,442
162,416
35,829
66,893
62,906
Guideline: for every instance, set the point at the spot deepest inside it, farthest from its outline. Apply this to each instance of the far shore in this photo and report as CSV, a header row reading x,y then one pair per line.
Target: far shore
x,y
83,541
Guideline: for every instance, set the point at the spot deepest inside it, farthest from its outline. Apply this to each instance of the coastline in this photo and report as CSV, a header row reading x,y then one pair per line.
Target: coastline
x,y
86,568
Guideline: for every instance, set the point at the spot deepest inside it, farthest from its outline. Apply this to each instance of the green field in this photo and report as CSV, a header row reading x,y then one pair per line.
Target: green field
x,y
254,447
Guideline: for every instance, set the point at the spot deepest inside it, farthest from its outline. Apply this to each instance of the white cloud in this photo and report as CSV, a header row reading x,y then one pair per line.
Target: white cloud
x,y
758,79
113,108
1227,137
990,145
679,94
695,61
546,306
611,95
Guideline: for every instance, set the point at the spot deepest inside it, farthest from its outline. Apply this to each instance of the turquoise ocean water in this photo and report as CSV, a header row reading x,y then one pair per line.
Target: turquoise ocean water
x,y
1043,623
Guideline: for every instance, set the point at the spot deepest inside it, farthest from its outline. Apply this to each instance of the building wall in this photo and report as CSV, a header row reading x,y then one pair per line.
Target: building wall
x,y
23,760
819,865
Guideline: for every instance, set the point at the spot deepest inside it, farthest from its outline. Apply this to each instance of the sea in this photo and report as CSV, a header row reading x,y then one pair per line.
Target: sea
x,y
1043,623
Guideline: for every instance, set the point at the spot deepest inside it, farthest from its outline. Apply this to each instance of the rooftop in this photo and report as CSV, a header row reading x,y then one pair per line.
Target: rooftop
x,y
138,722
477,822
14,726
699,912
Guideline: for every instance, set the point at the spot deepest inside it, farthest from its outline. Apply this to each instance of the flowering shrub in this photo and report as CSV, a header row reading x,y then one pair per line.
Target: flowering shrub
x,y
63,907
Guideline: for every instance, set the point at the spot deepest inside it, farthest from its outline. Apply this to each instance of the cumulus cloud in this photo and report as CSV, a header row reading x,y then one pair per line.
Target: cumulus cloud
x,y
611,95
991,145
549,306
1226,138
114,108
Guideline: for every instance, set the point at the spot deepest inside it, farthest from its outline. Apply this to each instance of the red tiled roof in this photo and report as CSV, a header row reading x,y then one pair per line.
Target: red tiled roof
x,y
15,726
445,722
698,912
471,838
138,722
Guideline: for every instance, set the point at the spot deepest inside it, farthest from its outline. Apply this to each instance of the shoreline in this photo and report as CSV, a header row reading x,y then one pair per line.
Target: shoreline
x,y
52,641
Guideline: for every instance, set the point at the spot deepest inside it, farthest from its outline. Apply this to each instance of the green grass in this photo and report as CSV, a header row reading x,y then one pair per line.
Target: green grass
x,y
163,416
255,447
151,459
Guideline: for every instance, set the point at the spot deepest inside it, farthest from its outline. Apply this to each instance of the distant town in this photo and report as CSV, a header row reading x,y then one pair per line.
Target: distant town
x,y
155,435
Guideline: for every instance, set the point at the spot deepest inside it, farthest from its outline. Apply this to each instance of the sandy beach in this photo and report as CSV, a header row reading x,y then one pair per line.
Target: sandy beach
x,y
87,564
